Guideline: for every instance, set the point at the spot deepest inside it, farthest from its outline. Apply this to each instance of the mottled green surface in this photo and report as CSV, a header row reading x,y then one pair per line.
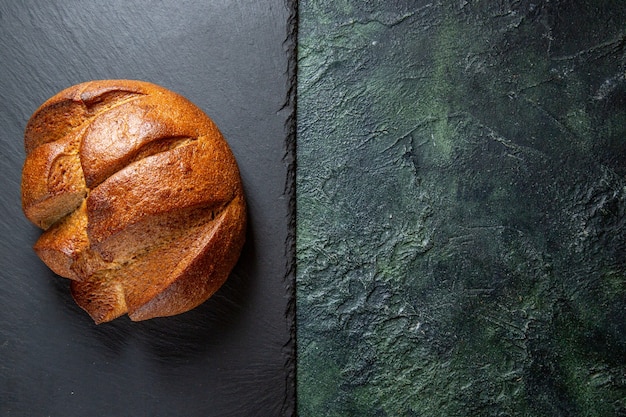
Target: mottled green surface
x,y
461,196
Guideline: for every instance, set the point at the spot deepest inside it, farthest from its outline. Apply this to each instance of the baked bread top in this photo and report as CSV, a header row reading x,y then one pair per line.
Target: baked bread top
x,y
139,195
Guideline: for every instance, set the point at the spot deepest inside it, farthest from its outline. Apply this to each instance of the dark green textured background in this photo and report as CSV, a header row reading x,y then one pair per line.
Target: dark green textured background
x,y
461,195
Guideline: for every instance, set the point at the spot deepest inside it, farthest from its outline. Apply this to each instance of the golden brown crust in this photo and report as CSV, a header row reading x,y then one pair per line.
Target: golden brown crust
x,y
140,197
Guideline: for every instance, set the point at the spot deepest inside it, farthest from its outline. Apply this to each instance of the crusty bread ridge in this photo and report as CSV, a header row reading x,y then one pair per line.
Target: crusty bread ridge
x,y
139,196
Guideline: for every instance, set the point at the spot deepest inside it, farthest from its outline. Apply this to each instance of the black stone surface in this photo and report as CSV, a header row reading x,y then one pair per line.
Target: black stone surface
x,y
461,207
232,356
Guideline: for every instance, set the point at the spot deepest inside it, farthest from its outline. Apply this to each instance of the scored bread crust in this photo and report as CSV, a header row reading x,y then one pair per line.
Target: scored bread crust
x,y
139,195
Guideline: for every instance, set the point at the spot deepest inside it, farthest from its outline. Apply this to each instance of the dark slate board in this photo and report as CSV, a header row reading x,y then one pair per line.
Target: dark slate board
x,y
232,356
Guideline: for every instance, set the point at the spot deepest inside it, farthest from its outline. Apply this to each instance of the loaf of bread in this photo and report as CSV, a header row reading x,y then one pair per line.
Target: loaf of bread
x,y
139,195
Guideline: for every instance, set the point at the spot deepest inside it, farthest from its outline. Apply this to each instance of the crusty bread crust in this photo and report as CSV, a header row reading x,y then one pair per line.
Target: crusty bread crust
x,y
139,195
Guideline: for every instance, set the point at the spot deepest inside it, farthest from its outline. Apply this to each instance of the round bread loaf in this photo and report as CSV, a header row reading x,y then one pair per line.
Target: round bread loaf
x,y
139,196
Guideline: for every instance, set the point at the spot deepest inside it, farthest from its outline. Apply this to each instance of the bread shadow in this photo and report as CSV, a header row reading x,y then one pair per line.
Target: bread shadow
x,y
208,327
190,335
